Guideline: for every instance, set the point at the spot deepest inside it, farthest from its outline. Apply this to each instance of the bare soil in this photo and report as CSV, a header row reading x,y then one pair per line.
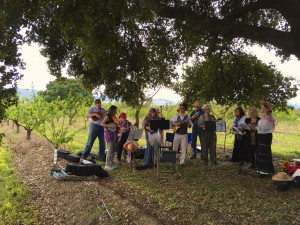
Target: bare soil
x,y
79,201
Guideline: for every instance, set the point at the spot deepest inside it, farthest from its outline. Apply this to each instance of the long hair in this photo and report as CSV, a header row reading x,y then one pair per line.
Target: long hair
x,y
242,113
110,112
149,116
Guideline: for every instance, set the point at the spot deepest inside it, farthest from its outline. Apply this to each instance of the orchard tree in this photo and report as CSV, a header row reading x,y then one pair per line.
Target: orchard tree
x,y
13,113
32,113
236,79
55,132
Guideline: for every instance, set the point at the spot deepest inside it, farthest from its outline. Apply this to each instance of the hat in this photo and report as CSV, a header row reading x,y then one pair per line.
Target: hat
x,y
197,103
97,101
281,176
206,106
130,146
122,115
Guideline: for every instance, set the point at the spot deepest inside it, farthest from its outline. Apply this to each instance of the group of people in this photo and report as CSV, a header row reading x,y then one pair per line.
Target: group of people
x,y
108,128
253,138
253,135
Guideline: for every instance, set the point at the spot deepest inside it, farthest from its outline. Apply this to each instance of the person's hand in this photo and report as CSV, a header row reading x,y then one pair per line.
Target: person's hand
x,y
112,126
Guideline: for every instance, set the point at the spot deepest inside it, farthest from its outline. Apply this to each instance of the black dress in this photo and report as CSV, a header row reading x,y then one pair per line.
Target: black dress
x,y
252,141
240,151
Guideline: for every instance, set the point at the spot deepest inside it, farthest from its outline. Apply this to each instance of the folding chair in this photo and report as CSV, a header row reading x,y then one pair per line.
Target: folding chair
x,y
166,154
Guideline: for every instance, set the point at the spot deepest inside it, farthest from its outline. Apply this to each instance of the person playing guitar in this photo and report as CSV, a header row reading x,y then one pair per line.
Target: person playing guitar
x,y
196,131
181,122
110,121
96,115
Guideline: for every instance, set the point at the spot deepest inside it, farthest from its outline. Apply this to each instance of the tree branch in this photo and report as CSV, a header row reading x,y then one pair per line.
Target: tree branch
x,y
230,29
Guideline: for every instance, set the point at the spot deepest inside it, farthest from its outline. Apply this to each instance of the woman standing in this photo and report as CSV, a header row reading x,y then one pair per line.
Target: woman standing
x,y
110,123
264,160
252,136
149,153
125,128
240,153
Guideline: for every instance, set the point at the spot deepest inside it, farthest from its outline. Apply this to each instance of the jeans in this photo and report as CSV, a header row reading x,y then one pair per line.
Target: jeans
x,y
111,148
94,132
196,132
149,153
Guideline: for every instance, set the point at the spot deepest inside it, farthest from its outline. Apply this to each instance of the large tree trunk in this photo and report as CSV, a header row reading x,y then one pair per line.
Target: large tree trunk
x,y
136,116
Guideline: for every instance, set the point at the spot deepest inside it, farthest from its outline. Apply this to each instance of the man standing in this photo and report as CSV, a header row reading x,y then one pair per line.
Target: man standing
x,y
196,131
181,123
96,115
207,123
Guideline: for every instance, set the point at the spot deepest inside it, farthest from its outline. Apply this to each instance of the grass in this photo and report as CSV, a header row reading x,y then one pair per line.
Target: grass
x,y
13,195
211,194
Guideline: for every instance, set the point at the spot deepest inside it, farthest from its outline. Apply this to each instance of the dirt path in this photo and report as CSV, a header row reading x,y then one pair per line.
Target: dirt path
x,y
79,202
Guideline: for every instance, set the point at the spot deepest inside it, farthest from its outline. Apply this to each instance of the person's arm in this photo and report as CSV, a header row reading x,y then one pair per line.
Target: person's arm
x,y
190,123
104,121
146,126
201,122
174,120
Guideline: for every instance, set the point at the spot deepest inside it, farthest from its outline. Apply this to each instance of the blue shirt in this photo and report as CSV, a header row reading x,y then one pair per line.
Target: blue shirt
x,y
199,113
94,110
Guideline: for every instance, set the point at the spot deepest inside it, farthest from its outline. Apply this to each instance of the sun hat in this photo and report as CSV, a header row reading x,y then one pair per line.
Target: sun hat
x,y
130,146
206,106
281,176
197,103
122,115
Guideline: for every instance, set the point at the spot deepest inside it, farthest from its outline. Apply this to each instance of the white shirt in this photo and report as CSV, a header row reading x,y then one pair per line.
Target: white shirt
x,y
241,122
264,126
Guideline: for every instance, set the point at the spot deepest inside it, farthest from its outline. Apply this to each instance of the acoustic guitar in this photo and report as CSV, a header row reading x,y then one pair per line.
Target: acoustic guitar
x,y
176,127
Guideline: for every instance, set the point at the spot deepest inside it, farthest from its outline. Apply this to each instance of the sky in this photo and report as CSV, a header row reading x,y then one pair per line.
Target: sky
x,y
36,74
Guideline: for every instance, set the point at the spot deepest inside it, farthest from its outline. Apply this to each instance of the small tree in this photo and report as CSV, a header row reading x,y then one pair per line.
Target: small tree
x,y
55,132
13,113
32,113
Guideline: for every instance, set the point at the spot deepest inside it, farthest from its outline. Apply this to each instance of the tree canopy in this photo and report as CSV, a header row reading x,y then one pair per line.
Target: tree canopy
x,y
236,79
64,87
11,20
127,46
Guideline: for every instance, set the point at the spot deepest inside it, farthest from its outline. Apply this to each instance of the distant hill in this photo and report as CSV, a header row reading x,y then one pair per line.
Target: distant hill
x,y
162,101
295,105
26,92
